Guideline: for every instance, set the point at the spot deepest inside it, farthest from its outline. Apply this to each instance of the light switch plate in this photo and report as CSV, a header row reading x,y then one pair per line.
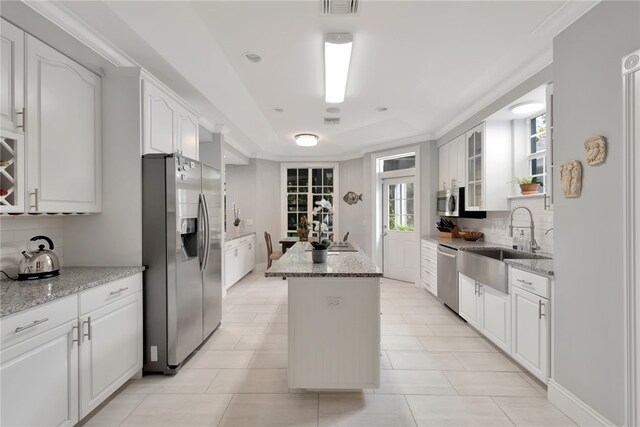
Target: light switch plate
x,y
249,222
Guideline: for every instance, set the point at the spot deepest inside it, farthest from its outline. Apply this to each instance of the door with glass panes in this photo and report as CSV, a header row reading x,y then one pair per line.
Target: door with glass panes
x,y
305,187
400,238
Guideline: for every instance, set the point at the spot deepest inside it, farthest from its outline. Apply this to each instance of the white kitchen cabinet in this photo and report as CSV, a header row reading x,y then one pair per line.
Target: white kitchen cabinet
x,y
239,259
468,301
39,366
488,155
452,161
63,122
487,310
443,162
110,351
531,323
187,133
429,266
160,117
12,77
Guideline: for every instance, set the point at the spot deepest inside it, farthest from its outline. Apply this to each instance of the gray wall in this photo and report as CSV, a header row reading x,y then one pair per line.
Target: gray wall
x,y
351,217
588,297
256,190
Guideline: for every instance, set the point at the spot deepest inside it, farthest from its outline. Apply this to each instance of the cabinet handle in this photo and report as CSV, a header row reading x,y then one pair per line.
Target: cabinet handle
x,y
89,328
35,198
525,282
73,336
479,288
475,288
31,325
453,183
540,313
119,291
24,119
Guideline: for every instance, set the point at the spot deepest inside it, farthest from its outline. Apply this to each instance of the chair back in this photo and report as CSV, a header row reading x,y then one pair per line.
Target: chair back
x,y
346,237
267,240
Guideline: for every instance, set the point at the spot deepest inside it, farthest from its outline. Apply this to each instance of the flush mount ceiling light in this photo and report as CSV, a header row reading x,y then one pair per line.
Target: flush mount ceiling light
x,y
306,139
527,107
252,57
337,55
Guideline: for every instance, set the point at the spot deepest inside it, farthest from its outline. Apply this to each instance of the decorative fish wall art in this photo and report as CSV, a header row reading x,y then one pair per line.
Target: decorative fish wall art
x,y
352,198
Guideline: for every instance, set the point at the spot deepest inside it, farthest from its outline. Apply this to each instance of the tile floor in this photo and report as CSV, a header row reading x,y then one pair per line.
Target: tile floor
x,y
436,371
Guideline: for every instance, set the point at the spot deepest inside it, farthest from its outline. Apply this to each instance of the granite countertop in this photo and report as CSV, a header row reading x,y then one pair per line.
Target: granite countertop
x,y
537,266
233,236
17,295
297,263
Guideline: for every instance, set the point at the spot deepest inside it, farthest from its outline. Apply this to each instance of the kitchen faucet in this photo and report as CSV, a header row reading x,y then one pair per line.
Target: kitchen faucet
x,y
534,244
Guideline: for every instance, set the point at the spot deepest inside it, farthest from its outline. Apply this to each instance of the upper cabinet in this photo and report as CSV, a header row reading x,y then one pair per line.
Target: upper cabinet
x,y
63,133
488,155
452,164
12,78
169,126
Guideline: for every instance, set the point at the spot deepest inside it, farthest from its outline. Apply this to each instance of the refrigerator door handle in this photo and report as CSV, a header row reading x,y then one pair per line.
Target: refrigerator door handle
x,y
207,233
202,229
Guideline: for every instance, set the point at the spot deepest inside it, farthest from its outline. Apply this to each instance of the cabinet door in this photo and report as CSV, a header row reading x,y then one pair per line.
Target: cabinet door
x,y
187,134
531,332
232,267
39,379
110,350
63,125
453,165
12,77
474,195
160,112
468,301
496,317
443,161
461,160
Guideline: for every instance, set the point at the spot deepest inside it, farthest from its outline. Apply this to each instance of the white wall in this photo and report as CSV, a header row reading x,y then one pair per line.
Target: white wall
x,y
352,216
16,232
588,341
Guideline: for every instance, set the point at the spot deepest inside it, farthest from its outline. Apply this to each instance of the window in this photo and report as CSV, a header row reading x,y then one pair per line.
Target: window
x,y
400,208
304,187
537,142
399,163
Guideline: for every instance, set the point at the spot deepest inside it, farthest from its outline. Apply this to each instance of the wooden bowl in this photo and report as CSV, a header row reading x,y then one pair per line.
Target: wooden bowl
x,y
470,235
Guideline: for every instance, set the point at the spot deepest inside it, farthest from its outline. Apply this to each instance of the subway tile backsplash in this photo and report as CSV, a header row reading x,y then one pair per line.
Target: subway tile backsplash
x,y
496,226
15,233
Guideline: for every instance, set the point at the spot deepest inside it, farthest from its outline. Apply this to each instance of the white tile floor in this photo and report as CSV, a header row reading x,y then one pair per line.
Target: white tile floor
x,y
436,371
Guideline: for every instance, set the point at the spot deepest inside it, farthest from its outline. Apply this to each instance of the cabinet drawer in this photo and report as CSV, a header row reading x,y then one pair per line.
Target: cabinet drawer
x,y
34,321
429,262
109,292
247,240
538,285
427,269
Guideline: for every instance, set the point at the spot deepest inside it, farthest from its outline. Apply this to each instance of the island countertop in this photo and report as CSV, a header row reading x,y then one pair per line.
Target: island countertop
x,y
297,263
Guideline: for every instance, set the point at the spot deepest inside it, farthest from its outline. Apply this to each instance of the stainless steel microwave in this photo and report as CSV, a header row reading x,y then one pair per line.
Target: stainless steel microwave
x,y
450,203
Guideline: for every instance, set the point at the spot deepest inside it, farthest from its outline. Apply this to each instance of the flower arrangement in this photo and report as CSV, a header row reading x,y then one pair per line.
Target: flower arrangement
x,y
324,210
303,229
528,180
236,215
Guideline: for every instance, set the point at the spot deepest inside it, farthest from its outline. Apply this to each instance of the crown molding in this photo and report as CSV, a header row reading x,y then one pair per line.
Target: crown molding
x,y
75,27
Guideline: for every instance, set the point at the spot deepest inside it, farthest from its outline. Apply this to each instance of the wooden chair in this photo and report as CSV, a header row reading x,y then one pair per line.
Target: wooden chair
x,y
346,237
271,255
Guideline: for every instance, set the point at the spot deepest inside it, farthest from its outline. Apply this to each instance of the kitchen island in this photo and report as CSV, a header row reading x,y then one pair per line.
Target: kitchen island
x,y
334,319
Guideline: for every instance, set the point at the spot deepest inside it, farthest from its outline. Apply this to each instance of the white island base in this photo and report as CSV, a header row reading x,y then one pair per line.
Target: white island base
x,y
334,333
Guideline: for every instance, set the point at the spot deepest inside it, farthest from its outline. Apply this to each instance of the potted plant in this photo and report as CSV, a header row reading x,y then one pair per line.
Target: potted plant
x,y
324,210
236,216
528,185
303,229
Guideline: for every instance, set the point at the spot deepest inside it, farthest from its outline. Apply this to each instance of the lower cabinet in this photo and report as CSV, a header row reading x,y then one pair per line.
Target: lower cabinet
x,y
429,266
239,259
531,332
60,360
486,309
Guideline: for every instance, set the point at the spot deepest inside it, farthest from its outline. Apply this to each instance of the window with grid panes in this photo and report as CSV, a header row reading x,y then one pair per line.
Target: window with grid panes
x,y
305,187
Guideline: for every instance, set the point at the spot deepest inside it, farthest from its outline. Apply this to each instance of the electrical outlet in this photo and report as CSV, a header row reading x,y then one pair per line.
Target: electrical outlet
x,y
249,222
334,301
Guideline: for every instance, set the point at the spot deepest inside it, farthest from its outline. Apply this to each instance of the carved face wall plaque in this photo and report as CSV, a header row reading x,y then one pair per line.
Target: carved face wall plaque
x,y
596,148
571,178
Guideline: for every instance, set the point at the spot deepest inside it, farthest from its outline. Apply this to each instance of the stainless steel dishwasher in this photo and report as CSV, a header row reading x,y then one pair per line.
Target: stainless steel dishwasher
x,y
448,277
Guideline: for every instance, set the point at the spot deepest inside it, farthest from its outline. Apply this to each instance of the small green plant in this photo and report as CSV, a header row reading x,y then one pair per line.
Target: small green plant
x,y
303,224
528,180
321,245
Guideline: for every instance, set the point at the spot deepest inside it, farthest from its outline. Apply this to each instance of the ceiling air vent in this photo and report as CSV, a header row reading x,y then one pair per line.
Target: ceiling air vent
x,y
332,120
339,7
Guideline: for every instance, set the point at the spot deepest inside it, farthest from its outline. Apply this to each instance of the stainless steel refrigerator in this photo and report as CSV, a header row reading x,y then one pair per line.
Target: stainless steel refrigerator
x,y
181,249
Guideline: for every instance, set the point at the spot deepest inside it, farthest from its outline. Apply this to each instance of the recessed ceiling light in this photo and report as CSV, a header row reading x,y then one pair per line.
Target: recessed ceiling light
x,y
381,109
337,55
527,107
306,139
333,110
278,110
252,57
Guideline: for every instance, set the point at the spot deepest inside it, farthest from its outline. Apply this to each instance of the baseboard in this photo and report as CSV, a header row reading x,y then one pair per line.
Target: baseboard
x,y
573,407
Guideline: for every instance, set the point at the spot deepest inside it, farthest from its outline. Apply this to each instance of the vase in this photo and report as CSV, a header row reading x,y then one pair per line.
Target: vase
x,y
303,234
319,255
526,189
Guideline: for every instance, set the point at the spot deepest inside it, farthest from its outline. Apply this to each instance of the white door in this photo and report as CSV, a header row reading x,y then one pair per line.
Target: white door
x,y
39,379
160,120
12,80
496,316
531,332
64,137
110,350
401,243
468,301
188,133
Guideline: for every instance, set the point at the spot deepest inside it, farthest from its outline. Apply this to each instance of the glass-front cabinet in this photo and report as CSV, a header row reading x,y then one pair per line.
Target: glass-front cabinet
x,y
474,197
